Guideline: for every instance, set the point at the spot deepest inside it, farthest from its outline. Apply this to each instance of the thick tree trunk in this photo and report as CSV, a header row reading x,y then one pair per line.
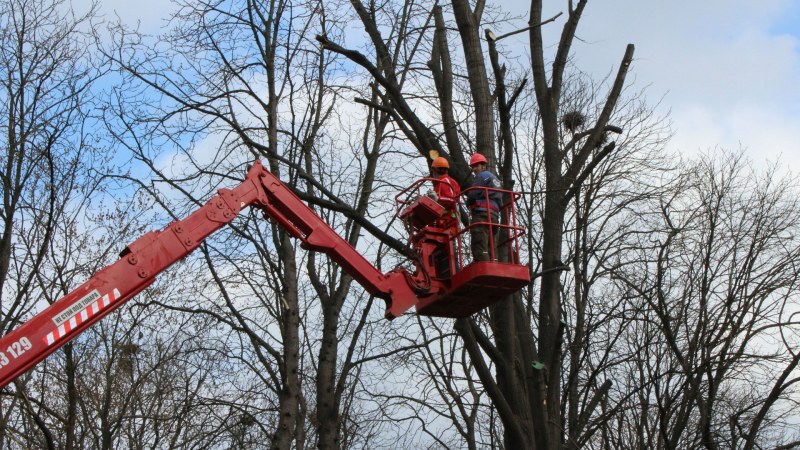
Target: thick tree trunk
x,y
72,398
468,24
288,429
327,404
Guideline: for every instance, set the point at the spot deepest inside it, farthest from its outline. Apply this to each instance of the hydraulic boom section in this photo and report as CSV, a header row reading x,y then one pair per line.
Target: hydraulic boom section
x,y
141,261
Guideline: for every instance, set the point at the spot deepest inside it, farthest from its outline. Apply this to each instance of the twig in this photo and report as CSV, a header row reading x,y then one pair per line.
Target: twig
x,y
491,36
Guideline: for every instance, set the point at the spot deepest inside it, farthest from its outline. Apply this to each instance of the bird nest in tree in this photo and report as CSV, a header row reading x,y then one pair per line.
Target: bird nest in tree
x,y
573,120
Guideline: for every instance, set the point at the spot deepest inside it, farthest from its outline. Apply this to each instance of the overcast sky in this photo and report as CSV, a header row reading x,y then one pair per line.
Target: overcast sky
x,y
729,70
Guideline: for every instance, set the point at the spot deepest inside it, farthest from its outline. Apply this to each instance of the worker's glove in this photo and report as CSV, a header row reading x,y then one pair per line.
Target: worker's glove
x,y
433,195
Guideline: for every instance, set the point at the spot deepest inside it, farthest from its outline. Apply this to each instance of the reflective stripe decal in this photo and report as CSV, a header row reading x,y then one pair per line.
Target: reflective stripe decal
x,y
81,317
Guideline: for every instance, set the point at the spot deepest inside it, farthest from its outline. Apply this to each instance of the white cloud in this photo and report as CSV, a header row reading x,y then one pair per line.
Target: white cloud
x,y
731,69
766,134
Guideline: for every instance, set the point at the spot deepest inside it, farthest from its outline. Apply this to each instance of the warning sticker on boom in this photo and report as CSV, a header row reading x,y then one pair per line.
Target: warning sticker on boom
x,y
76,307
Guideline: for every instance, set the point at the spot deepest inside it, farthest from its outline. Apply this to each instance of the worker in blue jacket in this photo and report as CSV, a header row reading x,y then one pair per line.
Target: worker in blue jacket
x,y
484,206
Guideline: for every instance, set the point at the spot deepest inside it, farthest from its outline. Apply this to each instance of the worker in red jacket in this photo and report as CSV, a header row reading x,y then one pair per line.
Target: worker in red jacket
x,y
447,192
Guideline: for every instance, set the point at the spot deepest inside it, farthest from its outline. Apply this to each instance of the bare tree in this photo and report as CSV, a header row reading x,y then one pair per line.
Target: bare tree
x,y
265,93
513,380
48,177
715,297
660,312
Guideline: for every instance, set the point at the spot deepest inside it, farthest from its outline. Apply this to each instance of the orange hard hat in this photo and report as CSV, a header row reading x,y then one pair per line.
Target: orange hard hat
x,y
440,162
477,158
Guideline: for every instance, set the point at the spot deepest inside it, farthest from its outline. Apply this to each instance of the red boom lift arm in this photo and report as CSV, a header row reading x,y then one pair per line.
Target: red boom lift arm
x,y
151,254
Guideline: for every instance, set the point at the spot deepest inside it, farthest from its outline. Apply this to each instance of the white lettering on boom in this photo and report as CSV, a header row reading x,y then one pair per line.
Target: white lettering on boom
x,y
76,307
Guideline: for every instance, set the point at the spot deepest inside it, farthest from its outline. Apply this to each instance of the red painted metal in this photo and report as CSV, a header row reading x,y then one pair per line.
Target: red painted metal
x,y
440,286
421,212
459,287
475,287
145,258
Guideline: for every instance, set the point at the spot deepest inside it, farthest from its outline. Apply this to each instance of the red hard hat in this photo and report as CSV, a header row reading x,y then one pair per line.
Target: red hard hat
x,y
477,158
440,162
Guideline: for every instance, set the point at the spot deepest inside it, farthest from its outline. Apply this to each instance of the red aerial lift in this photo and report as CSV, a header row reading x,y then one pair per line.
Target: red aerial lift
x,y
452,288
440,285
